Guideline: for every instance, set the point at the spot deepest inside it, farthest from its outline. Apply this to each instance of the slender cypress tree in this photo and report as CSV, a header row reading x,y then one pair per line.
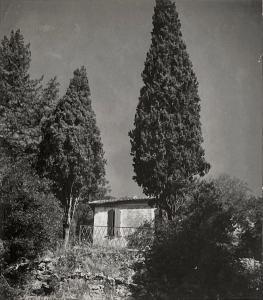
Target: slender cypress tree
x,y
71,151
166,140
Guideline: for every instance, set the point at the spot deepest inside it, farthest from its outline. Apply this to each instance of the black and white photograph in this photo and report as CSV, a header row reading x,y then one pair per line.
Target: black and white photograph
x,y
131,149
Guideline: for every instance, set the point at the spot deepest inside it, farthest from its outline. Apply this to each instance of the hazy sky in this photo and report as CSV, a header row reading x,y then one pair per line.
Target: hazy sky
x,y
111,38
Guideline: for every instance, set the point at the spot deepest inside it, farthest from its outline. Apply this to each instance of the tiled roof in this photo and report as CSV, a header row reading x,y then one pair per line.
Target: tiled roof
x,y
120,200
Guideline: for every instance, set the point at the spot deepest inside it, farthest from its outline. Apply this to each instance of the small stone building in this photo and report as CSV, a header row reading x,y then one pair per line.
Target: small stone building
x,y
116,219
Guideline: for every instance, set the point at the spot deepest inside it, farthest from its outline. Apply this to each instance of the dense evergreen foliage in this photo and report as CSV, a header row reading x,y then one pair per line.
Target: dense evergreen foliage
x,y
33,216
197,255
24,103
30,214
48,100
19,97
166,140
51,149
71,152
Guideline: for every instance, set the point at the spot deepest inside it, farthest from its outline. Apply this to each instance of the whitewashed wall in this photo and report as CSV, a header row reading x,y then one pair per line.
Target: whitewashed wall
x,y
134,217
131,215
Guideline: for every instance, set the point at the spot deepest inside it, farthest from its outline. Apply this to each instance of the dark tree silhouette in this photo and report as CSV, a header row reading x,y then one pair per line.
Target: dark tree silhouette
x,y
166,140
19,97
71,152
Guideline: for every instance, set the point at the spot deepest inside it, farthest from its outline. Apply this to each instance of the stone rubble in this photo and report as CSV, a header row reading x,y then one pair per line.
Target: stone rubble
x,y
99,286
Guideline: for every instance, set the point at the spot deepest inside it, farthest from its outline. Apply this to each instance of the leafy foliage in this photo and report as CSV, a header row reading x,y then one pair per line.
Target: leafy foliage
x,y
166,140
24,103
236,196
48,100
7,292
19,97
33,216
195,254
31,213
71,152
246,210
142,237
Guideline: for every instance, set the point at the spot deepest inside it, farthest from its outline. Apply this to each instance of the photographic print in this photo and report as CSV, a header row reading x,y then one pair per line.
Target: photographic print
x,y
131,147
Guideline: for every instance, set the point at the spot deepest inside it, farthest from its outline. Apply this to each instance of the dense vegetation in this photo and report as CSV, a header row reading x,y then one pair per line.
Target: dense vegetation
x,y
166,141
33,215
71,152
213,226
210,251
30,213
51,157
52,164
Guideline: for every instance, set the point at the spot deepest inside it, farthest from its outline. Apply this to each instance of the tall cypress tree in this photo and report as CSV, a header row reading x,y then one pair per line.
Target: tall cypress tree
x,y
23,102
166,140
19,96
71,151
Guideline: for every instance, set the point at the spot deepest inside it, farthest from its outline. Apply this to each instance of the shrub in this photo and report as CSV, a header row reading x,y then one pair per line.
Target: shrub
x,y
246,210
142,237
7,292
194,255
33,216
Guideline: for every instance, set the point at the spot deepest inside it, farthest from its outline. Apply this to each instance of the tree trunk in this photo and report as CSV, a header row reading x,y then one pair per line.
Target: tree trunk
x,y
66,230
168,209
262,240
66,235
67,224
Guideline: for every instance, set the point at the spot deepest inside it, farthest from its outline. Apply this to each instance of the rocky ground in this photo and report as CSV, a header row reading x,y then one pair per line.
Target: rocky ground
x,y
81,273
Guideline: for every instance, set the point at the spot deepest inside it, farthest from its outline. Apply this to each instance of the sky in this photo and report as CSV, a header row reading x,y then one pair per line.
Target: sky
x,y
111,38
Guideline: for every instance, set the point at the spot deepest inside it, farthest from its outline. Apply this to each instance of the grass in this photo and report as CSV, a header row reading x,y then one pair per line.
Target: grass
x,y
90,272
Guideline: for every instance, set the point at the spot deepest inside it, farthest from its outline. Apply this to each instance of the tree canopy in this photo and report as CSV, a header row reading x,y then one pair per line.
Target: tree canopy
x,y
200,254
166,139
48,100
246,210
71,152
30,214
32,220
19,96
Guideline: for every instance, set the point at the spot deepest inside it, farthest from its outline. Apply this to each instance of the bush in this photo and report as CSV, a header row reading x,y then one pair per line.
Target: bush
x,y
142,237
194,255
33,216
6,291
246,210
